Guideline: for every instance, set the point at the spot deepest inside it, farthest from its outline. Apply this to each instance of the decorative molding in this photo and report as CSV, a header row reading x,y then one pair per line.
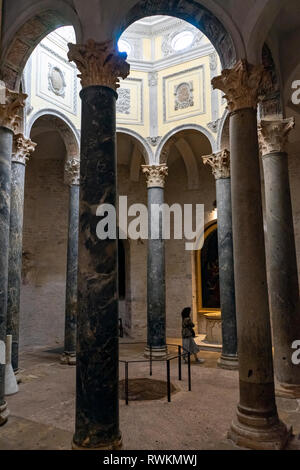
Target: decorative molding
x,y
184,97
155,175
152,79
125,120
11,104
220,163
99,63
242,85
72,172
214,125
22,148
154,141
213,61
123,102
56,81
273,134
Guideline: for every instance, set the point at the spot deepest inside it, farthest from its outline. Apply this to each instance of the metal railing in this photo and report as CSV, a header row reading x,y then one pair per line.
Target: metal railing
x,y
180,354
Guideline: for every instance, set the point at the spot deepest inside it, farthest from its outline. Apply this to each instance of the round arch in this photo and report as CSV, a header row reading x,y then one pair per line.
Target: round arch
x,y
143,145
176,130
226,40
223,132
57,121
26,32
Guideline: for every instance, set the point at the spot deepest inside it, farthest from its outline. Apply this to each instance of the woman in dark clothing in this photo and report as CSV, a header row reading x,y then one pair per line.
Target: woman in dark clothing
x,y
188,335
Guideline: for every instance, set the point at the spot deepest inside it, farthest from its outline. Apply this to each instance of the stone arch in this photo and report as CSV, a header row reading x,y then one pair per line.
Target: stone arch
x,y
226,40
223,132
57,121
142,143
31,27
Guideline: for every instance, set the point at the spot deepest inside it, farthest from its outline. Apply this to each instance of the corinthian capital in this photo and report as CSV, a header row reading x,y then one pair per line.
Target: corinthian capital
x,y
273,134
72,172
99,63
220,163
155,175
242,85
22,148
11,104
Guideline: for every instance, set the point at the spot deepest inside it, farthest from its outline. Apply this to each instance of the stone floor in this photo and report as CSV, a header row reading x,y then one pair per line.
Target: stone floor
x,y
42,413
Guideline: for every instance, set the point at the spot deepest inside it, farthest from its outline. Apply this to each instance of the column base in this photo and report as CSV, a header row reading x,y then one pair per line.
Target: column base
x,y
4,413
259,433
157,353
287,390
228,362
68,359
114,445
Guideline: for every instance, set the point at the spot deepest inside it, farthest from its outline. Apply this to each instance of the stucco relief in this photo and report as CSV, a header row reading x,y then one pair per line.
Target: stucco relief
x,y
184,96
123,103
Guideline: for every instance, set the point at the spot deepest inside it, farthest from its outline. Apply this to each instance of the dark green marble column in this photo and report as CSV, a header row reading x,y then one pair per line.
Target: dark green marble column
x,y
156,284
220,163
10,106
72,170
21,150
97,377
256,425
281,259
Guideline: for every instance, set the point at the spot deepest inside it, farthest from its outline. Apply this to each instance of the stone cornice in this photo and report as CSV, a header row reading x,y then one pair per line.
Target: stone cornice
x,y
11,104
155,175
22,148
72,172
219,162
273,134
99,64
242,85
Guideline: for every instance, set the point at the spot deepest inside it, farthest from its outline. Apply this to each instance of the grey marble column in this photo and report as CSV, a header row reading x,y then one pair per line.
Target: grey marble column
x,y
22,148
257,425
97,382
72,173
156,284
282,260
220,163
9,122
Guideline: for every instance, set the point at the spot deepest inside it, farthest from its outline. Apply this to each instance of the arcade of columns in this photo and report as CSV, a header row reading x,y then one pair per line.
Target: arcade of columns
x,y
244,290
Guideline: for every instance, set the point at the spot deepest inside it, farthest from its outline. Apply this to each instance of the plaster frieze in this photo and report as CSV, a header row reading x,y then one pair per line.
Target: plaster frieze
x,y
273,134
243,85
219,162
99,63
155,175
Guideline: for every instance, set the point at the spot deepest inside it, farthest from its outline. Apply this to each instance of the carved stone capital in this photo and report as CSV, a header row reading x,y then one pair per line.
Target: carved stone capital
x,y
273,134
22,148
220,163
155,175
11,104
243,85
72,172
99,63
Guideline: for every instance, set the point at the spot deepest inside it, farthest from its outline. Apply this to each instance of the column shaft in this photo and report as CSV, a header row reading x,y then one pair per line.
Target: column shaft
x,y
6,140
71,281
226,273
15,257
156,287
97,407
283,274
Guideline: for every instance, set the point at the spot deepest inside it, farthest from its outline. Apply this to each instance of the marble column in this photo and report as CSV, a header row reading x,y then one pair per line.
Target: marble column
x,y
257,425
282,260
220,163
10,105
156,284
72,173
97,405
22,148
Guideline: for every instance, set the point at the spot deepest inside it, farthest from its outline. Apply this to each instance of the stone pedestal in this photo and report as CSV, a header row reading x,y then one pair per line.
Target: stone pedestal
x,y
156,285
97,405
9,122
21,150
220,163
72,179
256,425
282,260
